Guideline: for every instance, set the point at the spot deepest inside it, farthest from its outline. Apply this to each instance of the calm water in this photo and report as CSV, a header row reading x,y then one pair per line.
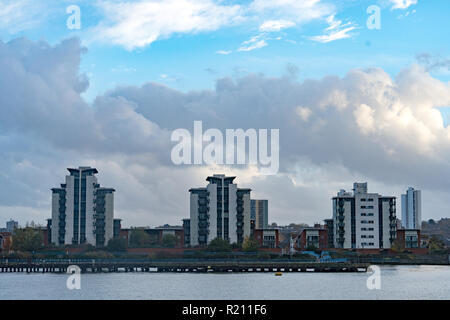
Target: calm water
x,y
397,282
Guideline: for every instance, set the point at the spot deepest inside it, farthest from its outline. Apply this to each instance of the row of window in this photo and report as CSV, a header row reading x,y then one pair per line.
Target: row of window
x,y
370,214
366,229
367,236
366,207
370,199
367,221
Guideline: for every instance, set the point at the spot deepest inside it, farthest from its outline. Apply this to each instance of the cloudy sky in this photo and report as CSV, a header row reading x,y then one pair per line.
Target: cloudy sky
x,y
351,103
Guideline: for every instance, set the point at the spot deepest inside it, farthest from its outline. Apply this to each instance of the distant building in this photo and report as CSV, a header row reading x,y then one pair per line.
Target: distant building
x,y
412,209
267,238
329,226
260,213
82,211
409,238
11,225
220,210
117,225
363,220
187,232
316,237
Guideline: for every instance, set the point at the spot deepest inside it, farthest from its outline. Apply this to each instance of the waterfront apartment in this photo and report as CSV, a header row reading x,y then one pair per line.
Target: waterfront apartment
x,y
313,238
219,210
363,220
412,209
82,210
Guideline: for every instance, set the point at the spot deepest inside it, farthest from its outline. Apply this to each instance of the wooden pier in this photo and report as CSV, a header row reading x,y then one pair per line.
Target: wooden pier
x,y
201,266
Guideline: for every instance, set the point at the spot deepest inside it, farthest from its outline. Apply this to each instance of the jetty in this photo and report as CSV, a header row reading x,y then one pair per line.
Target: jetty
x,y
179,265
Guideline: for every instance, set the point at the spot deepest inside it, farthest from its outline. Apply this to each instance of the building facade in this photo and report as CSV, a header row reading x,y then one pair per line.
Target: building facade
x,y
220,210
260,213
409,238
363,220
412,209
82,211
267,238
313,238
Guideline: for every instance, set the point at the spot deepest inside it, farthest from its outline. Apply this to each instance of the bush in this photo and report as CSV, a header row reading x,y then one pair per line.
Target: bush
x,y
249,245
219,245
139,238
169,241
117,244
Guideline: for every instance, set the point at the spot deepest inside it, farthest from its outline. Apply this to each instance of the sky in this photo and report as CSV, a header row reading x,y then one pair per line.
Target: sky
x,y
352,102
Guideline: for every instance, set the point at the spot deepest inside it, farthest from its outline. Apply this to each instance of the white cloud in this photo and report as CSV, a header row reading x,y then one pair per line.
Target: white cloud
x,y
275,25
19,15
335,31
223,52
254,43
402,4
365,126
138,24
304,113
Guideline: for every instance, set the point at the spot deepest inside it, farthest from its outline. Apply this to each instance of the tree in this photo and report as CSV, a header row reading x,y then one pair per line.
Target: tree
x,y
219,245
117,244
435,244
169,241
27,239
139,238
249,244
397,246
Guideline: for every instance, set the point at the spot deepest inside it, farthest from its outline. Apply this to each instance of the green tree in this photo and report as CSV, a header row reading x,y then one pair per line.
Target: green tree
x,y
249,244
219,245
139,238
27,239
117,244
169,241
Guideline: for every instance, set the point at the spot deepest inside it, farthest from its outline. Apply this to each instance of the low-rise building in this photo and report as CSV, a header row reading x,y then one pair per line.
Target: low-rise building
x,y
409,238
267,238
5,241
310,238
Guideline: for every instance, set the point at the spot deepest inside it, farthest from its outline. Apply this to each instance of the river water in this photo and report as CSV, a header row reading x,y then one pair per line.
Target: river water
x,y
397,282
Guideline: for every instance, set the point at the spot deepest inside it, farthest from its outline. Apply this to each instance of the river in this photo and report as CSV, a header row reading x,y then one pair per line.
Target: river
x,y
397,282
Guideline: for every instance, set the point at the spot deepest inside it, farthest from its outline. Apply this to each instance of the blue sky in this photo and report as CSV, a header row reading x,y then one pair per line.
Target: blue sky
x,y
303,66
412,29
